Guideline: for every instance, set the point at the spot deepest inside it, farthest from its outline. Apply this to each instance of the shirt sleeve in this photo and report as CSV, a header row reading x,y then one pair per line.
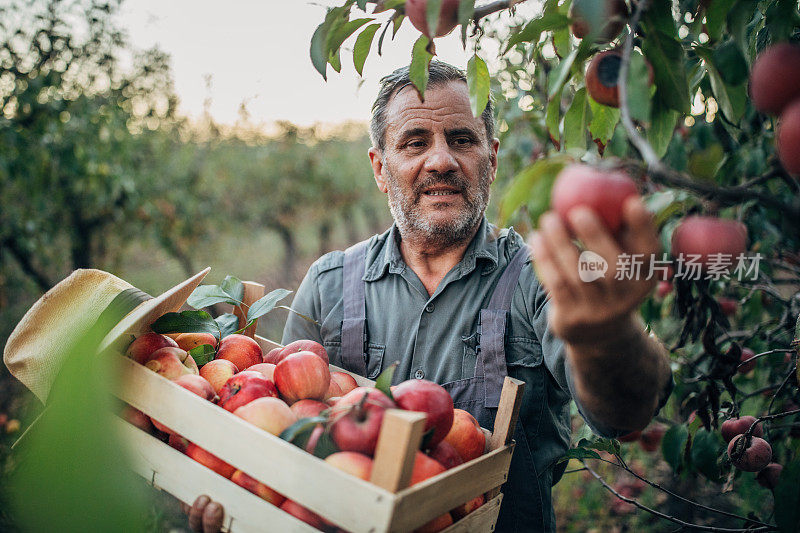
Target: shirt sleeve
x,y
555,357
306,302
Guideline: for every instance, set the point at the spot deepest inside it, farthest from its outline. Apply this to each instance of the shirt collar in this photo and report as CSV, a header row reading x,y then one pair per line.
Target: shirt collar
x,y
387,255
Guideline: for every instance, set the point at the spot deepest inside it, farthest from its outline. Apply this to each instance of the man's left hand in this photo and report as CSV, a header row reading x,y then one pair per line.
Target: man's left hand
x,y
589,312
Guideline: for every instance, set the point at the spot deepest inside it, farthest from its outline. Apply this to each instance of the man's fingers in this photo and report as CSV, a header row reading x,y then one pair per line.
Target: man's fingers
x,y
562,253
640,235
212,518
593,234
196,513
547,271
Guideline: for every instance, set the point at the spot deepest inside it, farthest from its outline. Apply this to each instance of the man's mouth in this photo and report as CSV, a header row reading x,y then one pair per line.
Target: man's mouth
x,y
441,192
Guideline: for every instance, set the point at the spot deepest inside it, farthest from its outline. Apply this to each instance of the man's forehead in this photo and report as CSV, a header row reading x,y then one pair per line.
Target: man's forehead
x,y
445,104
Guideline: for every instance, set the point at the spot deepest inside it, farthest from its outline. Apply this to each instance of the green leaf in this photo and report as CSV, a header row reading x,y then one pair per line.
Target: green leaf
x,y
233,286
420,59
787,498
662,129
325,446
579,453
667,58
208,295
432,10
362,47
299,432
732,101
730,63
532,32
673,445
604,120
781,19
266,303
343,32
534,182
384,381
185,322
797,330
466,10
611,446
479,84
575,121
552,118
228,324
716,16
658,16
202,354
335,61
362,4
704,164
639,93
706,447
739,18
560,74
318,51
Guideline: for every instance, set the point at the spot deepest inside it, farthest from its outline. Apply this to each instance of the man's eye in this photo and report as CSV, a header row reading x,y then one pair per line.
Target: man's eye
x,y
416,144
462,141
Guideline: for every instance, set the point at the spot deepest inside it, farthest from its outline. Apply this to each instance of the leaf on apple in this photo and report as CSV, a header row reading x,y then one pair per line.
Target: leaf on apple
x,y
233,287
299,432
384,381
579,453
185,322
208,295
228,324
325,446
202,354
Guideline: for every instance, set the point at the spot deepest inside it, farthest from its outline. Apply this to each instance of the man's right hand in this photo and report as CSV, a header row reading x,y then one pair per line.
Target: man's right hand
x,y
205,515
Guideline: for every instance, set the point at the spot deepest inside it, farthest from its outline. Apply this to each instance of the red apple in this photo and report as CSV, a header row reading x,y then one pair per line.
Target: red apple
x,y
788,138
273,356
257,488
466,436
448,16
425,467
346,381
664,288
306,515
602,191
241,350
747,353
305,346
439,523
704,236
270,414
308,408
209,460
630,437
446,455
775,78
132,416
354,463
334,391
432,400
728,306
465,508
737,426
602,77
769,476
218,372
245,387
178,442
171,363
187,341
752,458
313,439
302,375
267,369
144,345
606,19
357,419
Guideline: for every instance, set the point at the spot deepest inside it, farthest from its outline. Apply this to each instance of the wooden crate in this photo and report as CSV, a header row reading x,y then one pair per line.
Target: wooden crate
x,y
384,504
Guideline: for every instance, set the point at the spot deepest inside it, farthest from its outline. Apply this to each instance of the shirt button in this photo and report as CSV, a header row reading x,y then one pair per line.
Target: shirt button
x,y
419,374
429,308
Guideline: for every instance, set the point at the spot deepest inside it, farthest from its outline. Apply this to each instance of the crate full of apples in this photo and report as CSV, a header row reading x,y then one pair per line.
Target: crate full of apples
x,y
287,442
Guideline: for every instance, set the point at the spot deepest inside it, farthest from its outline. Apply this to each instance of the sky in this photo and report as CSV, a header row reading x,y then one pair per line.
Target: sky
x,y
257,52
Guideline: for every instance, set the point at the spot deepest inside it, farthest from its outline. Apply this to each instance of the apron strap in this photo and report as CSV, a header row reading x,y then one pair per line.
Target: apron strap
x,y
491,363
354,307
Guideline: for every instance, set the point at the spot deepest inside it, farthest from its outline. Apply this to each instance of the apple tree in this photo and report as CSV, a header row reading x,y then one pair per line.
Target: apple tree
x,y
698,102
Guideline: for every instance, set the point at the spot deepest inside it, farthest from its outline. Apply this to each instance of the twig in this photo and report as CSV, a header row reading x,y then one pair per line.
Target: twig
x,y
758,355
672,518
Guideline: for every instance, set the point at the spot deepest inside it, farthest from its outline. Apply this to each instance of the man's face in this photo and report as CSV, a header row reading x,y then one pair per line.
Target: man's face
x,y
437,164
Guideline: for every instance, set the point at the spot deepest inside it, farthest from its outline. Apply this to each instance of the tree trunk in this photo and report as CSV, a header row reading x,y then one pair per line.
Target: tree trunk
x,y
24,259
289,250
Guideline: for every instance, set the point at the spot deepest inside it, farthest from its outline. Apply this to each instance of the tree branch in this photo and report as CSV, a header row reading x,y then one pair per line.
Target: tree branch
x,y
25,260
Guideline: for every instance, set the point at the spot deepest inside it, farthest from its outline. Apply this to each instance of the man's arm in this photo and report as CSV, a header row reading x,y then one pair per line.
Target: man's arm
x,y
618,371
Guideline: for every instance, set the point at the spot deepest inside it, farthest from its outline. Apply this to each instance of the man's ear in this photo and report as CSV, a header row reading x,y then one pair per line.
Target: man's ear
x,y
376,159
493,157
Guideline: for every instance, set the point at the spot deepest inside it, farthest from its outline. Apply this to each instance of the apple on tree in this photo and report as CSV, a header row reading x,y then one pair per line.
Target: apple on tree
x,y
416,11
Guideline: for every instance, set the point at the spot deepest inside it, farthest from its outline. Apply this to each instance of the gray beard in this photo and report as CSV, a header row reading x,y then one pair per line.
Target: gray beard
x,y
412,223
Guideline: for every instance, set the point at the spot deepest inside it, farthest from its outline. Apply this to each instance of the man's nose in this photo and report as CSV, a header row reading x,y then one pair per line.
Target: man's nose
x,y
440,158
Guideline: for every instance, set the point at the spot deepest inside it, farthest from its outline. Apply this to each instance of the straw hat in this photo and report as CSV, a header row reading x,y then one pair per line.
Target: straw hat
x,y
37,346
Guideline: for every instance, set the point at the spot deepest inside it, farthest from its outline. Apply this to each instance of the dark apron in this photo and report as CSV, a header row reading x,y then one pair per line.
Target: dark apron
x,y
522,506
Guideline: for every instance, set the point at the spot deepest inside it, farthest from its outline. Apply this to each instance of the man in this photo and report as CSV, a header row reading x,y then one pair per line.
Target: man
x,y
455,301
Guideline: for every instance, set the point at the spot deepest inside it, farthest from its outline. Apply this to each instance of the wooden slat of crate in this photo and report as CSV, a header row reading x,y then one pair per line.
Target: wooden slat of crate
x,y
170,470
482,520
439,494
284,467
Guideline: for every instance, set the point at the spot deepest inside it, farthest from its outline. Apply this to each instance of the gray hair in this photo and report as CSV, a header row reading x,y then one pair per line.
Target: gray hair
x,y
438,73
